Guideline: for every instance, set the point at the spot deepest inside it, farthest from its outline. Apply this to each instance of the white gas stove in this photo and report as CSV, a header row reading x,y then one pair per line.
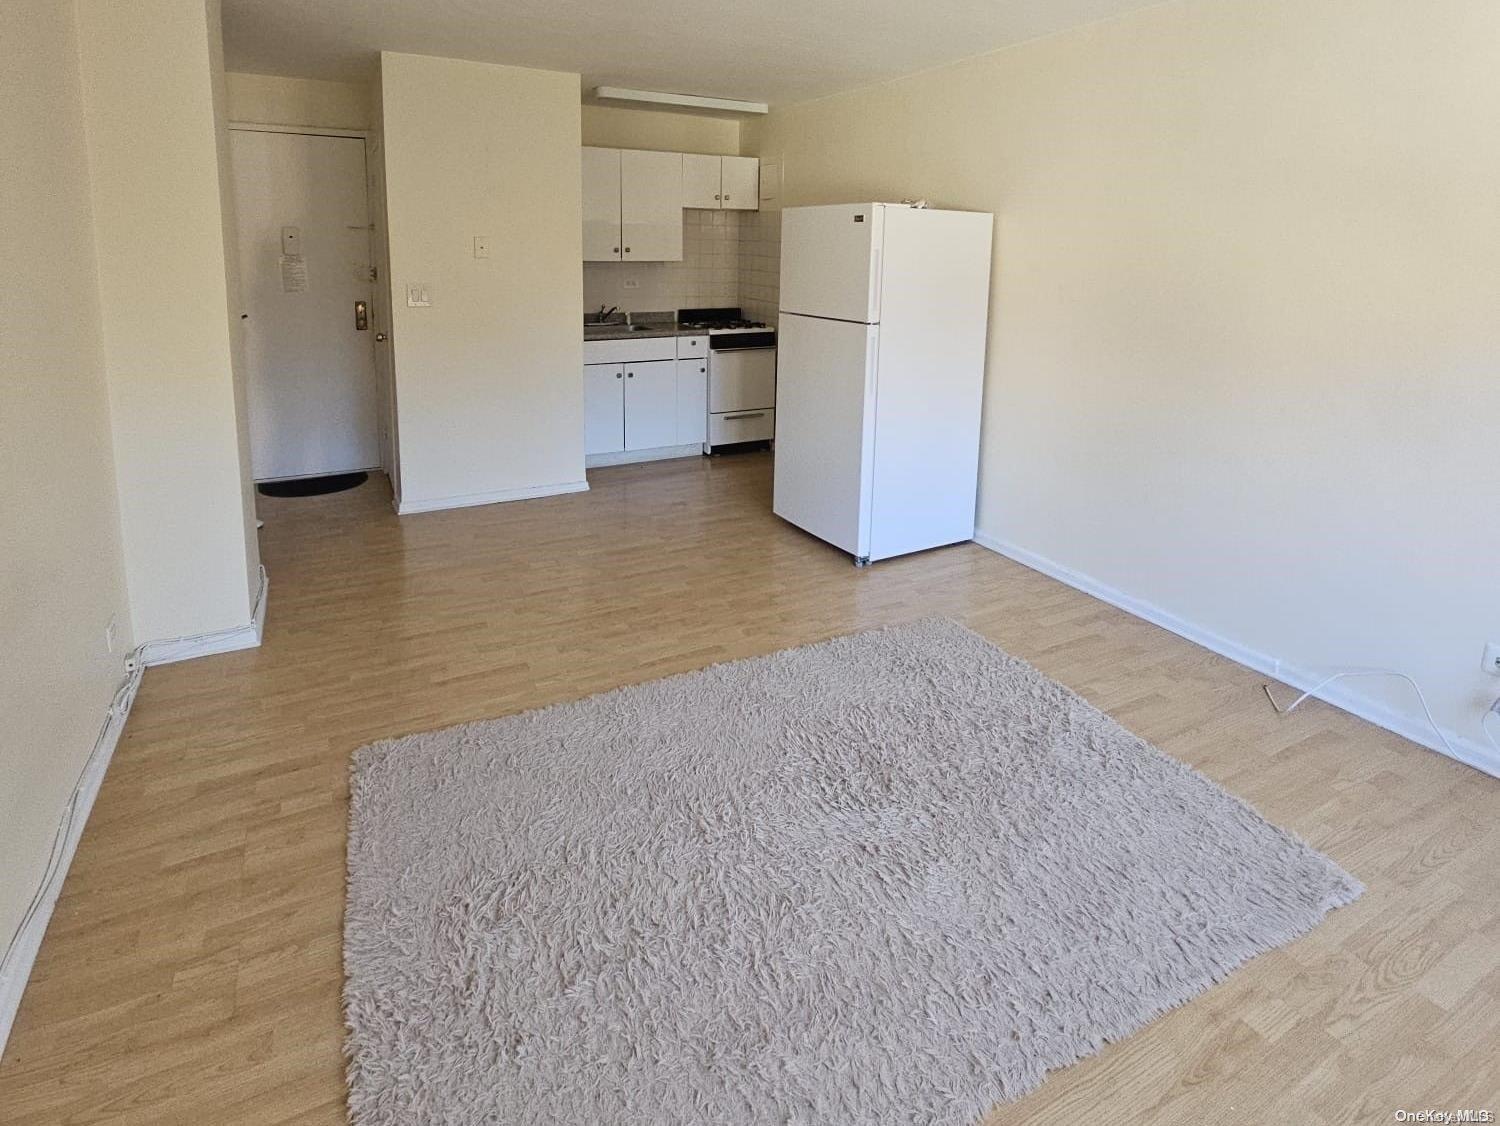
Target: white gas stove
x,y
741,377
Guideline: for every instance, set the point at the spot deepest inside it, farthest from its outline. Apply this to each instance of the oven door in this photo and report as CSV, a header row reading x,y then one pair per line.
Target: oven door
x,y
741,379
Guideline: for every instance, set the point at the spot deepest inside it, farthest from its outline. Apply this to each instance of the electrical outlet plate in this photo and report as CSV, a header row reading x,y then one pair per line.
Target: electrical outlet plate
x,y
1492,658
418,295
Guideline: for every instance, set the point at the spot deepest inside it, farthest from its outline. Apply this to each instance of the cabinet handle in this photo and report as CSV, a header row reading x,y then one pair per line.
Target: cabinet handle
x,y
630,375
627,250
737,417
718,197
704,370
615,250
619,375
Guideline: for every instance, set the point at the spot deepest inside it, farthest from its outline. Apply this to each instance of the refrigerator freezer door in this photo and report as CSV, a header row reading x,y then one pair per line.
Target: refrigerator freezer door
x,y
824,422
830,261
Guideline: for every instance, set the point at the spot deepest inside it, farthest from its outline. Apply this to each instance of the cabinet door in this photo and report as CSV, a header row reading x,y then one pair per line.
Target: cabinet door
x,y
700,181
603,408
601,205
741,183
650,404
692,401
651,206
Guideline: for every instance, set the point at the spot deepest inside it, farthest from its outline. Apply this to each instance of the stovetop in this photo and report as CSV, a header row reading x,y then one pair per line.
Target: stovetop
x,y
729,319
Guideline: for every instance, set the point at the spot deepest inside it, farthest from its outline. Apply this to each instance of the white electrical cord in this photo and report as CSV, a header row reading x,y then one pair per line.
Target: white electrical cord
x,y
1417,688
118,708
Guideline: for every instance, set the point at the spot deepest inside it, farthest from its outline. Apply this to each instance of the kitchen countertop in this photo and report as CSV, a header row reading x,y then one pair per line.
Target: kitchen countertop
x,y
622,331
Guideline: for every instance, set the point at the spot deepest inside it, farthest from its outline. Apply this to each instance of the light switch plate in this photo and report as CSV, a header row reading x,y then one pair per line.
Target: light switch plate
x,y
418,295
481,246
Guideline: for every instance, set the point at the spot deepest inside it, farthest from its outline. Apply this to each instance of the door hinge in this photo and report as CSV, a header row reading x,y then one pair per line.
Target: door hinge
x,y
374,273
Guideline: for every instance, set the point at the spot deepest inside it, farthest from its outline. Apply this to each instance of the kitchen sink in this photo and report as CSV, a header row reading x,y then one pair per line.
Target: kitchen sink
x,y
620,328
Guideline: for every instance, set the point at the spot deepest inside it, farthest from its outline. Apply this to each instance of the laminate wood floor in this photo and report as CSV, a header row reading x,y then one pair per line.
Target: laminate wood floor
x,y
191,973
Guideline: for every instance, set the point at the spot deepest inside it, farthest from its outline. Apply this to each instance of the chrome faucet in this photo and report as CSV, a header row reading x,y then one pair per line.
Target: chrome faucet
x,y
605,314
627,319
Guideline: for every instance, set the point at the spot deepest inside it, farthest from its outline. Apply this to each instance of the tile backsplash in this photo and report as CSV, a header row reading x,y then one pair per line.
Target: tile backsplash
x,y
760,264
709,273
728,258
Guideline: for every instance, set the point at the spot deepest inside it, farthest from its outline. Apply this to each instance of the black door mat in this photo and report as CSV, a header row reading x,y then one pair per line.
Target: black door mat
x,y
313,486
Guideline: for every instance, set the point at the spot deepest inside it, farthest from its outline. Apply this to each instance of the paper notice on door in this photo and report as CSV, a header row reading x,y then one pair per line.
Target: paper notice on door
x,y
293,273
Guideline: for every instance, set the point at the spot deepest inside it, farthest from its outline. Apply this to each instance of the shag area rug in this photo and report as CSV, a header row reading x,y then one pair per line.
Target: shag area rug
x,y
892,878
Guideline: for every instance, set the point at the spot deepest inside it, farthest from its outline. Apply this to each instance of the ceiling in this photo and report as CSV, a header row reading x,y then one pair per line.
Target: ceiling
x,y
765,50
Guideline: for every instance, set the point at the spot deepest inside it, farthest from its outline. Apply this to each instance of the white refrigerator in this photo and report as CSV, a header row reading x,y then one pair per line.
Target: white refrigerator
x,y
880,374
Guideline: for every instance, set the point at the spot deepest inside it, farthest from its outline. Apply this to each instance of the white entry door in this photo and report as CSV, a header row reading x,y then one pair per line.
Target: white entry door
x,y
304,255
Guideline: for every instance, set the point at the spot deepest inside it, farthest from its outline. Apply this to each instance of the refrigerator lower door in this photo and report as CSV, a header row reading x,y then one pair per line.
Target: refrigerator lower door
x,y
824,426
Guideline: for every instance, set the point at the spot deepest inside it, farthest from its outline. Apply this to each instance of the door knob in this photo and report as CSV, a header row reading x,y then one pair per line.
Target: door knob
x,y
381,338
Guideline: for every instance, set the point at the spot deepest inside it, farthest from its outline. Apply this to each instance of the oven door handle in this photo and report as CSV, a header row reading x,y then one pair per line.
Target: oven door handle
x,y
749,414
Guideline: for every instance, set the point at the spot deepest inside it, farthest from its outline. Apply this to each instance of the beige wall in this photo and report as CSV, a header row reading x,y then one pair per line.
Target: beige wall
x,y
149,114
229,226
1243,354
488,379
617,128
268,99
61,574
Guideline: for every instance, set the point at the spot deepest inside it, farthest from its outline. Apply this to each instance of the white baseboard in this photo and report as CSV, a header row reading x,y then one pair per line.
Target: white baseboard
x,y
15,968
247,636
1408,725
470,500
630,457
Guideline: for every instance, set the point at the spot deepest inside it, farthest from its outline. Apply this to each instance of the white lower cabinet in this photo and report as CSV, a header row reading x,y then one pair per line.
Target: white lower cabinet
x,y
651,405
652,401
603,408
692,400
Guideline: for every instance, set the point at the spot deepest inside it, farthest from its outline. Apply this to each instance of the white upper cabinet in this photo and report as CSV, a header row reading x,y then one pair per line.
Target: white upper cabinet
x,y
741,183
601,205
651,206
633,199
701,181
717,183
632,206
